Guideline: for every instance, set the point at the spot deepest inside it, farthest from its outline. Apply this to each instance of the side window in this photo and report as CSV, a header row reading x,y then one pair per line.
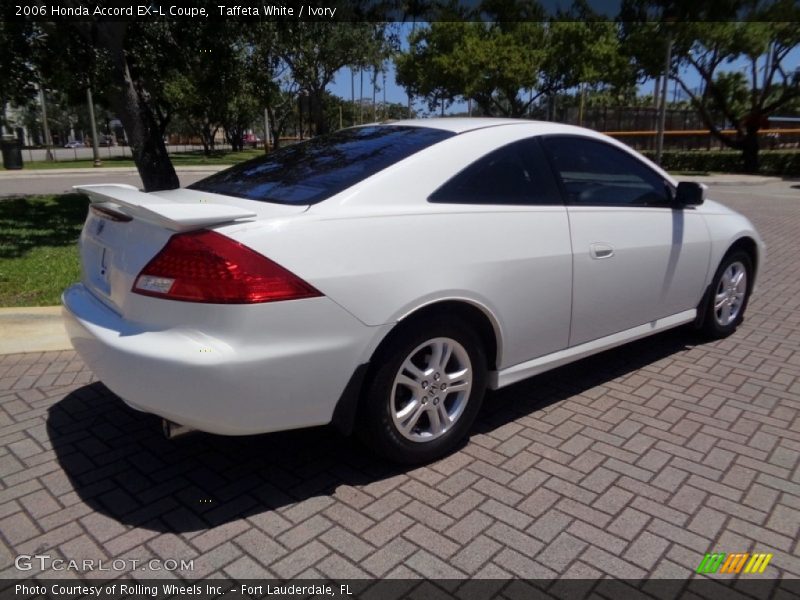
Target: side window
x,y
596,173
514,174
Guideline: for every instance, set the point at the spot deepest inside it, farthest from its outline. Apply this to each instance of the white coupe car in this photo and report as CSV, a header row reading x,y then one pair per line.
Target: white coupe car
x,y
382,277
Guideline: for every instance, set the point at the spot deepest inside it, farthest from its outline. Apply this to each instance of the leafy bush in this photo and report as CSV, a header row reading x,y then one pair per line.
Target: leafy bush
x,y
771,162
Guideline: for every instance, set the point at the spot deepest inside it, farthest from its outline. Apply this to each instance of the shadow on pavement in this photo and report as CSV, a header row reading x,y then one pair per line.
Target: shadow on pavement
x,y
120,464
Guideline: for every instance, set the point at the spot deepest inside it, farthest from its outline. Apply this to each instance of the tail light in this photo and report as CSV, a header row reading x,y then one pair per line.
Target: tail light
x,y
205,266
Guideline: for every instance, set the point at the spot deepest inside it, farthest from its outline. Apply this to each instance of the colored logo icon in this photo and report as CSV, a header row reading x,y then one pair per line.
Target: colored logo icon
x,y
721,562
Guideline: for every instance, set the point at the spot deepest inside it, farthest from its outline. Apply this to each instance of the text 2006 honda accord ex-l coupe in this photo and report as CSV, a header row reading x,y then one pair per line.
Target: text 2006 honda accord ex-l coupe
x,y
382,277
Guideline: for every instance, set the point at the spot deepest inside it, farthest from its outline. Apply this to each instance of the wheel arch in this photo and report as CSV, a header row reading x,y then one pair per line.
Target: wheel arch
x,y
750,246
473,313
745,243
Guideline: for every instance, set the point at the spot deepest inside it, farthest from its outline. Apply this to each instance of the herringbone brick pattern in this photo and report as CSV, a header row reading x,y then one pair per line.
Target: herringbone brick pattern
x,y
632,464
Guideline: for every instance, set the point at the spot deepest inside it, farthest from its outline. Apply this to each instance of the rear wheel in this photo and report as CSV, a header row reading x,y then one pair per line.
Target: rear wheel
x,y
730,292
425,391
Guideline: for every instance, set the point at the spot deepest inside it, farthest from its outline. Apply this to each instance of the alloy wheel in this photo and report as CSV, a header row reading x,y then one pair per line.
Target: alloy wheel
x,y
730,294
431,389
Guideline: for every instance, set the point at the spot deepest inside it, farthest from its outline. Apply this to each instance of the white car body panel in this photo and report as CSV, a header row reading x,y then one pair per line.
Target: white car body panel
x,y
536,366
110,273
268,371
657,266
438,256
378,252
175,216
725,227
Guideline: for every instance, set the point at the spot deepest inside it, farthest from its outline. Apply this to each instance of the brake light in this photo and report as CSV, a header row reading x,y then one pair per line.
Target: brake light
x,y
205,266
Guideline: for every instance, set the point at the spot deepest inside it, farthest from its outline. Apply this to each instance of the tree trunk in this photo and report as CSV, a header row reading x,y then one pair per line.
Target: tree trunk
x,y
317,112
750,151
207,139
275,128
300,116
130,103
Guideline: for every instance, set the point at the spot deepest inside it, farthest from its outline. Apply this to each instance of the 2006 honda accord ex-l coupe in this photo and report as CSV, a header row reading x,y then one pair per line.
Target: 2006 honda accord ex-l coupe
x,y
382,277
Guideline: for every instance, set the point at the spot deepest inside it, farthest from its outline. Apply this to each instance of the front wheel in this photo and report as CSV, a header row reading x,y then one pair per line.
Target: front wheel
x,y
730,292
425,391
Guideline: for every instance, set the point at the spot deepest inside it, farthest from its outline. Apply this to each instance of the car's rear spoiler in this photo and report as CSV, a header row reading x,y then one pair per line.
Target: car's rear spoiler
x,y
176,216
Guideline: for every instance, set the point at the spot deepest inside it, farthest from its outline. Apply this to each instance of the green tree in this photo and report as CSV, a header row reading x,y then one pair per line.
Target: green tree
x,y
135,68
226,80
282,111
314,52
507,64
272,80
761,41
17,76
209,77
430,68
135,59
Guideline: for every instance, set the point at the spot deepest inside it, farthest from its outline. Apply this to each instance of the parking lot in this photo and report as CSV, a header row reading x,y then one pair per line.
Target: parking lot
x,y
631,464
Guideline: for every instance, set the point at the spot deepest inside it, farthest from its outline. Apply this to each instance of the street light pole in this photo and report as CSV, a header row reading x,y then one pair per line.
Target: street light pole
x,y
353,94
95,148
662,114
266,130
48,141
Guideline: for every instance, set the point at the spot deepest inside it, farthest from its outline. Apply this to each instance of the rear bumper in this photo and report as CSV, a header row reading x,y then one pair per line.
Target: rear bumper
x,y
285,370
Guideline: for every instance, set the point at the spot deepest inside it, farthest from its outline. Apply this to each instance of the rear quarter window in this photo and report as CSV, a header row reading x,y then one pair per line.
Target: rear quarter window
x,y
312,171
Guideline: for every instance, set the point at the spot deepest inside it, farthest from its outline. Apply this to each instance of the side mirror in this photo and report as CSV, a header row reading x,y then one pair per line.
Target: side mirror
x,y
690,193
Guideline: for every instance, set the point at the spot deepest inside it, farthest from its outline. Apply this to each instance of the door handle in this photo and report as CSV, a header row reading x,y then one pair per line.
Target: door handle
x,y
599,251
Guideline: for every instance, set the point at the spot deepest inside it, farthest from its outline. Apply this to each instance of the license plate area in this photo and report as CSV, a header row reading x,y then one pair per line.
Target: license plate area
x,y
97,257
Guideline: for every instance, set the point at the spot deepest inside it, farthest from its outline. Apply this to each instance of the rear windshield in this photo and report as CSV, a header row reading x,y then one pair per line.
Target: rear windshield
x,y
312,171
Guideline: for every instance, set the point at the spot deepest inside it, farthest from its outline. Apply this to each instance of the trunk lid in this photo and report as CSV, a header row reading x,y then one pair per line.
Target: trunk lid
x,y
125,228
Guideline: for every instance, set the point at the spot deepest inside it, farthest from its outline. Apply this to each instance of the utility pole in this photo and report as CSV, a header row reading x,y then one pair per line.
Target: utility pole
x,y
95,148
300,113
768,66
48,141
266,131
657,93
353,93
374,95
413,29
662,115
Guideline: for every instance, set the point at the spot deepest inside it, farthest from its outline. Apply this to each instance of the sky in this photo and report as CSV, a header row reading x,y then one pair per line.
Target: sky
x,y
395,93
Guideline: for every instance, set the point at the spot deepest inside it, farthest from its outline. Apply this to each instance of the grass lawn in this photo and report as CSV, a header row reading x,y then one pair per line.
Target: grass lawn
x,y
179,159
38,247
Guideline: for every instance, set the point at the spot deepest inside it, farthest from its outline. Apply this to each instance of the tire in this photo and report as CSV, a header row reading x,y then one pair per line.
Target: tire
x,y
728,295
416,408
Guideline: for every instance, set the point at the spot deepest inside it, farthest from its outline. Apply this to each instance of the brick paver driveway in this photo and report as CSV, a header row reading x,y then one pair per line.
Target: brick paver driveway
x,y
633,463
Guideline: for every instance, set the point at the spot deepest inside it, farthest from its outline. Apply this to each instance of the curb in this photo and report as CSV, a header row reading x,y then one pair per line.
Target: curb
x,y
714,179
724,179
32,329
28,173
